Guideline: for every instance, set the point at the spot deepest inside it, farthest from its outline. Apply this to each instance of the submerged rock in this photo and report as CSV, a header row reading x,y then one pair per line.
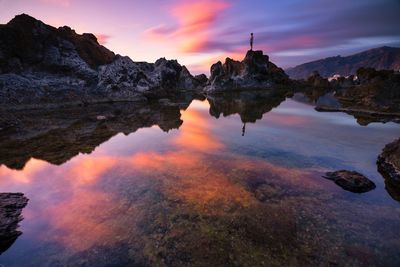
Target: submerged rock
x,y
11,205
351,181
255,71
389,166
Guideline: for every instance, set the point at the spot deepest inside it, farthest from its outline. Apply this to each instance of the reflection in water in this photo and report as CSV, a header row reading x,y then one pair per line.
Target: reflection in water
x,y
201,196
57,136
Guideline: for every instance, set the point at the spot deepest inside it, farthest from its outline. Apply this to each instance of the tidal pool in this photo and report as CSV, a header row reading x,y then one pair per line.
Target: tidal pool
x,y
220,182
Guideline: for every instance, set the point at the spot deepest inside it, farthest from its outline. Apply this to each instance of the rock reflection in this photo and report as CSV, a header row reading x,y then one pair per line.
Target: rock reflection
x,y
250,105
58,135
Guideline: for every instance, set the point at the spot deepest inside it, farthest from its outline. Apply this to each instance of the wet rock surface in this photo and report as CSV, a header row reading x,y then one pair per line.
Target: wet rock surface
x,y
11,205
255,71
389,166
351,181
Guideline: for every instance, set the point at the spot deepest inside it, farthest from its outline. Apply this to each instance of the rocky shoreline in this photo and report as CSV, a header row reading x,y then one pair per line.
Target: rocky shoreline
x,y
11,205
388,164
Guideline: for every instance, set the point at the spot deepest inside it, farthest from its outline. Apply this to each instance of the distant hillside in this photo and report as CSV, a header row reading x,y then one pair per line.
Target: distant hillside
x,y
378,58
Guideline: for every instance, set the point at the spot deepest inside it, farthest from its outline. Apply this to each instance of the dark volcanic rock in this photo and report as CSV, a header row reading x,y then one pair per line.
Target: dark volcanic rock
x,y
373,96
11,205
41,66
389,166
316,80
351,181
254,72
378,58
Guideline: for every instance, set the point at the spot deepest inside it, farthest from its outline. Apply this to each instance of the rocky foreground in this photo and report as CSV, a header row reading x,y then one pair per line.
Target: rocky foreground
x,y
11,205
43,66
389,166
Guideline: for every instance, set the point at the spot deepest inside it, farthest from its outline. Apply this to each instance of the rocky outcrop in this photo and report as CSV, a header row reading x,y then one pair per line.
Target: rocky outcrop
x,y
351,181
255,71
41,66
372,96
389,166
11,205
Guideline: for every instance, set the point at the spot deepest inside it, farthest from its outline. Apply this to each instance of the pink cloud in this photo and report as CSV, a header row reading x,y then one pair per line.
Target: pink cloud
x,y
102,38
196,21
63,3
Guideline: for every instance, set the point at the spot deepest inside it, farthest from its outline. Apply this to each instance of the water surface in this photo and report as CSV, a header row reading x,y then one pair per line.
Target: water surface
x,y
241,186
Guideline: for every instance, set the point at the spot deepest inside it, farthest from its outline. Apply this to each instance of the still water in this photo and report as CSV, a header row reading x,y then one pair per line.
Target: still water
x,y
198,186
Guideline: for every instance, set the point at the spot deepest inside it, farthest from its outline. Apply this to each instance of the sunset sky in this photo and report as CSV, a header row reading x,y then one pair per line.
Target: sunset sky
x,y
198,33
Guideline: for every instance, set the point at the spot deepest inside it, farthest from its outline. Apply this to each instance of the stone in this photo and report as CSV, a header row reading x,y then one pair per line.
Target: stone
x,y
11,205
389,166
351,181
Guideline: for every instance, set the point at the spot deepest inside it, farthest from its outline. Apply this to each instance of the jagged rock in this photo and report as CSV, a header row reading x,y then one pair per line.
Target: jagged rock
x,y
254,72
11,205
44,66
351,181
389,166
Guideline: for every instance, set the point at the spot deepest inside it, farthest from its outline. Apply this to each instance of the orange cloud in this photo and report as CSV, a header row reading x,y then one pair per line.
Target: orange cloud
x,y
32,167
194,135
87,170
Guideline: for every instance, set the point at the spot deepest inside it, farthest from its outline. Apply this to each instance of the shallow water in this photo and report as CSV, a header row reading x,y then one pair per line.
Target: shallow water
x,y
212,193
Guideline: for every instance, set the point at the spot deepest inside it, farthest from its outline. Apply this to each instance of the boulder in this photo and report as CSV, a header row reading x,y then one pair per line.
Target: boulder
x,y
389,166
351,181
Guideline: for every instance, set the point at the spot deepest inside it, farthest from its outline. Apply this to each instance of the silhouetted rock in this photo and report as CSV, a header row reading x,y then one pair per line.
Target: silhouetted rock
x,y
41,65
377,58
254,72
351,181
316,80
11,205
389,166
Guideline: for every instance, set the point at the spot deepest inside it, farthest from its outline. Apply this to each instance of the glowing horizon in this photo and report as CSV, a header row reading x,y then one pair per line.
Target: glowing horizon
x,y
199,33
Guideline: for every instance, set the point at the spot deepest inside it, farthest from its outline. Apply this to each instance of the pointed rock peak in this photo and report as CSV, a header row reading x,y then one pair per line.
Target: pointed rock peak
x,y
256,56
24,20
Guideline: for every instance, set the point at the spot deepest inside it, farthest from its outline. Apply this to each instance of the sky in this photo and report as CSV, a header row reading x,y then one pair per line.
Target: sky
x,y
199,33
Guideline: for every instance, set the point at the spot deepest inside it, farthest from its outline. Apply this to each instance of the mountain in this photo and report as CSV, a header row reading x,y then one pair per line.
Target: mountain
x,y
377,58
41,65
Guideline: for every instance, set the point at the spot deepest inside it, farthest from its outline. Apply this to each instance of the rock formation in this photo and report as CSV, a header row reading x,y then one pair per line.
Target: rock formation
x,y
351,181
11,205
389,166
41,65
255,71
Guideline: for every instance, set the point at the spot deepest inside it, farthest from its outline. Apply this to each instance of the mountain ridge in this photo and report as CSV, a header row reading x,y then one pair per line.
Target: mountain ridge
x,y
379,58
